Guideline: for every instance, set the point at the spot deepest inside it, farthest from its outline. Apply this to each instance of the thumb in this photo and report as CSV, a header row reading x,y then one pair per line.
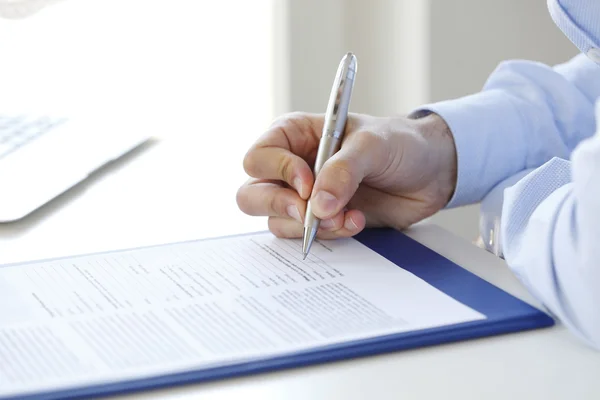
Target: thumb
x,y
340,176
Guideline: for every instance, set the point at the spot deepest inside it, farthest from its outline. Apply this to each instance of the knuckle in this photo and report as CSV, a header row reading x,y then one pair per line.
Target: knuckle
x,y
274,205
365,139
285,168
297,116
341,172
289,119
298,122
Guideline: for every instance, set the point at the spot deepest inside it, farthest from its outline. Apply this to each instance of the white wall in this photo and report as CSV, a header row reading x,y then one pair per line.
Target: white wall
x,y
321,32
411,52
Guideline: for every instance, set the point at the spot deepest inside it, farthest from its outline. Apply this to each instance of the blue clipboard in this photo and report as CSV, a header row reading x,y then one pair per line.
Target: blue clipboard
x,y
505,313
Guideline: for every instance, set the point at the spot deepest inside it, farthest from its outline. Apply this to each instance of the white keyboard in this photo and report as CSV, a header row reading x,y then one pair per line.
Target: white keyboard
x,y
17,131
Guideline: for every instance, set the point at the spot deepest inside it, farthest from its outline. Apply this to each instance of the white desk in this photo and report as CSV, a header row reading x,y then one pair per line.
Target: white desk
x,y
160,195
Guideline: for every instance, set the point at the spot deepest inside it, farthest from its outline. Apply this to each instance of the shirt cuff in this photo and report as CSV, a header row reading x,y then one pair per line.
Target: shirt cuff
x,y
487,131
490,213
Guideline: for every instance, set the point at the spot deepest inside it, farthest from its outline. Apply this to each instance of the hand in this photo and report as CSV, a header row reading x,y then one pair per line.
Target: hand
x,y
390,172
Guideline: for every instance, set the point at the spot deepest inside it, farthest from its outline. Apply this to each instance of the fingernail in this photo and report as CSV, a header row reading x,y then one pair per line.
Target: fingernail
x,y
297,183
350,225
327,224
293,212
325,201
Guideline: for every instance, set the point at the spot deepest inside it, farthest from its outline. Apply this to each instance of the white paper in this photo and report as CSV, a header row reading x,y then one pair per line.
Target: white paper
x,y
140,313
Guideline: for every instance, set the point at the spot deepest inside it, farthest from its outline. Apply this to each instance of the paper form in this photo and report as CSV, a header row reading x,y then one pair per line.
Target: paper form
x,y
140,313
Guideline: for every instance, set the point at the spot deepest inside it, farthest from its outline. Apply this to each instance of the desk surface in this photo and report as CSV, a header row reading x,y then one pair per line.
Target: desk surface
x,y
158,195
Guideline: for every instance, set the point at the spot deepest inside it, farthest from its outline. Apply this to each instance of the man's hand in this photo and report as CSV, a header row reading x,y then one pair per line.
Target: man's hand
x,y
389,172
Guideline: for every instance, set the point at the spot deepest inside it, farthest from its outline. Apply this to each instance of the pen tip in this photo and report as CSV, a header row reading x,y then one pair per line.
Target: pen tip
x,y
304,257
307,239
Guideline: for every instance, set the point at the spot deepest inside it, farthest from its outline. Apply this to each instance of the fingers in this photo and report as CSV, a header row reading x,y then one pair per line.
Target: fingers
x,y
338,180
282,152
268,198
283,157
287,210
344,224
281,164
383,209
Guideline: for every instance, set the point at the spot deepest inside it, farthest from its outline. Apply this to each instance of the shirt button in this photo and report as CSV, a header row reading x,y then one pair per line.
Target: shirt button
x,y
594,54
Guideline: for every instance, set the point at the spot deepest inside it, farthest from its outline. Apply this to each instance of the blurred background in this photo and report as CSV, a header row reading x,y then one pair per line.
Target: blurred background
x,y
217,72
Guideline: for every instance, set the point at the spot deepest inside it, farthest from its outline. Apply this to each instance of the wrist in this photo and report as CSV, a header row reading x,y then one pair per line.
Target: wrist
x,y
439,137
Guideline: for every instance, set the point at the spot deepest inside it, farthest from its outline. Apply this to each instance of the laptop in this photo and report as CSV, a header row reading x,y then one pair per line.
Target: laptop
x,y
42,156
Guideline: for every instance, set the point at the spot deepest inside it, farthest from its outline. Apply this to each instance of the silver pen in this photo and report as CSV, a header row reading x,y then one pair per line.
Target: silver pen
x,y
332,135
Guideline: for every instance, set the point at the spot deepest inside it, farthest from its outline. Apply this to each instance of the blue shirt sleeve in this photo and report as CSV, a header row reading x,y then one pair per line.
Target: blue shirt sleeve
x,y
527,146
550,226
579,21
526,114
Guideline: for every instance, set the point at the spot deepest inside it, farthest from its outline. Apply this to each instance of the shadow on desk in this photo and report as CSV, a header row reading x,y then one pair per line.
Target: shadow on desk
x,y
30,221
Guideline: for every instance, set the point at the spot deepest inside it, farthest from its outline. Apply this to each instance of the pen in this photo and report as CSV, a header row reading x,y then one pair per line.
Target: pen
x,y
332,135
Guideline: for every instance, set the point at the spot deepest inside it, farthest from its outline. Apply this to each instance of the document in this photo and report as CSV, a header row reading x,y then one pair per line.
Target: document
x,y
140,313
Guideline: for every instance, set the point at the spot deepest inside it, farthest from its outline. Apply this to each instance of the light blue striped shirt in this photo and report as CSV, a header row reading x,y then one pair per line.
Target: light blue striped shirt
x,y
529,150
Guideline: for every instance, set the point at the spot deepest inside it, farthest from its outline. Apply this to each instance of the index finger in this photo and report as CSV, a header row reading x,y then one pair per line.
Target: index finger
x,y
282,152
